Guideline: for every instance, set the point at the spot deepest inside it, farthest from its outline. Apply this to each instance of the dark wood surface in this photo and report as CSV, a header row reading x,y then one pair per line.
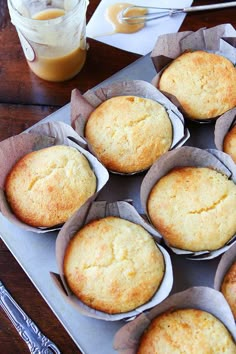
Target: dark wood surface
x,y
25,100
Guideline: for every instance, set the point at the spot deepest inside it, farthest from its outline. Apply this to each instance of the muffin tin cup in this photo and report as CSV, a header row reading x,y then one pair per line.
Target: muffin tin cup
x,y
83,105
92,211
189,156
219,40
203,298
225,263
42,136
223,126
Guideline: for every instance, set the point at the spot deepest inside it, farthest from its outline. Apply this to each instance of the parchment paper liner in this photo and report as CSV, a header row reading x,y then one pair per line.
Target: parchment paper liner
x,y
41,136
223,125
189,156
203,298
225,263
220,39
82,106
93,211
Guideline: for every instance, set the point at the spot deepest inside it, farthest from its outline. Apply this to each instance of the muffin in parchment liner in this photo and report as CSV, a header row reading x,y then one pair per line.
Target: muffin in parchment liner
x,y
21,173
114,271
121,128
225,277
184,333
225,133
196,70
189,195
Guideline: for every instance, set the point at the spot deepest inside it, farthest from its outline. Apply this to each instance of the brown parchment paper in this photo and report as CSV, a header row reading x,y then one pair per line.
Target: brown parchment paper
x,y
83,105
41,136
60,131
203,298
189,156
92,211
220,39
225,263
223,125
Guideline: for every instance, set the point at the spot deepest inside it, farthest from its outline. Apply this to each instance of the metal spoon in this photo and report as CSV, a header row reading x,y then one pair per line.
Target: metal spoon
x,y
27,329
159,12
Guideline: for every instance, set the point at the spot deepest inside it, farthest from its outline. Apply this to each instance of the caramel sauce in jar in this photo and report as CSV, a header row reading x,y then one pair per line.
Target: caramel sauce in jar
x,y
52,35
58,67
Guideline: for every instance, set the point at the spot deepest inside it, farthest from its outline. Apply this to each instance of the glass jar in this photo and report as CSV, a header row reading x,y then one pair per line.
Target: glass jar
x,y
52,34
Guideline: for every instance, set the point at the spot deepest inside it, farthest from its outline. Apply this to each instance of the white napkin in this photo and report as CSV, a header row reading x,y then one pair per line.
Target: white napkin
x,y
143,41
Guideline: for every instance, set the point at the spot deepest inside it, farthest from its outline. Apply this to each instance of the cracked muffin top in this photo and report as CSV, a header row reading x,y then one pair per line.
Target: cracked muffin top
x,y
194,208
186,331
203,83
45,187
113,265
129,133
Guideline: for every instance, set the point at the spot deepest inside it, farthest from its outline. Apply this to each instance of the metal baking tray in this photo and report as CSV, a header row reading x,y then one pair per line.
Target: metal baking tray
x,y
36,252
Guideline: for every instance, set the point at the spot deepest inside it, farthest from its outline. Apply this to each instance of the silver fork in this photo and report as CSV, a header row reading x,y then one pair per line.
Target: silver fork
x,y
27,329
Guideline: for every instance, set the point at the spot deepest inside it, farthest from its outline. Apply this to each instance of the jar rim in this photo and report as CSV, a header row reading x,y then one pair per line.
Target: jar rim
x,y
54,21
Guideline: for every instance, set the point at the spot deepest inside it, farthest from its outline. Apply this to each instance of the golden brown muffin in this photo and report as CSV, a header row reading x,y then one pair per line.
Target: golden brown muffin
x,y
228,288
194,208
186,331
204,84
45,187
229,145
113,265
129,133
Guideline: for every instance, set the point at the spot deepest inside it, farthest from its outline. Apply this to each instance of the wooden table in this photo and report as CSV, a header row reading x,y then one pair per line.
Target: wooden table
x,y
25,100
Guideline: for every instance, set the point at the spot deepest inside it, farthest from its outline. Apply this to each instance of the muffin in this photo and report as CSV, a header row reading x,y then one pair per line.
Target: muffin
x,y
229,145
45,187
228,288
128,133
203,83
194,208
113,265
186,331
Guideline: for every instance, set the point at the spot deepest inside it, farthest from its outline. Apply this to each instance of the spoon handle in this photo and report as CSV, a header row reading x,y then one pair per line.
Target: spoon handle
x,y
27,329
